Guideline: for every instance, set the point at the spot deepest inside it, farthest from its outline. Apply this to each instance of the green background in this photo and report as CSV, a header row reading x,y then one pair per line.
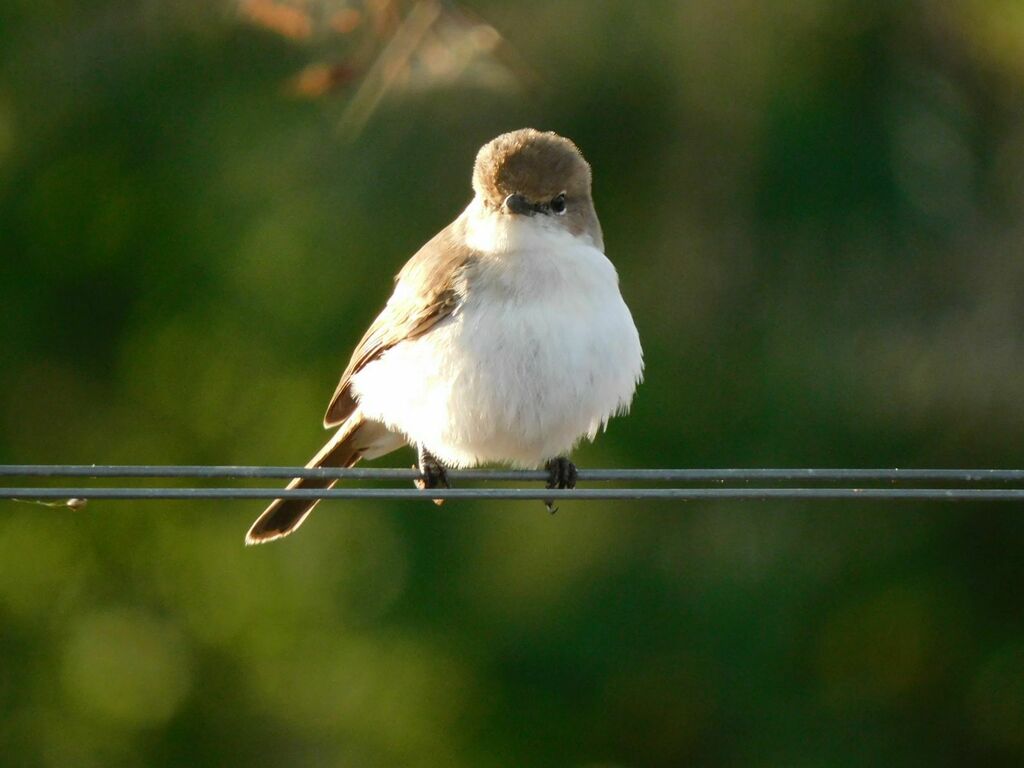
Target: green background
x,y
816,212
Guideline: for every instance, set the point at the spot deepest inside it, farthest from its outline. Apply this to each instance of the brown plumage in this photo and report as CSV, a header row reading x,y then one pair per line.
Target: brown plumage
x,y
538,166
285,515
427,290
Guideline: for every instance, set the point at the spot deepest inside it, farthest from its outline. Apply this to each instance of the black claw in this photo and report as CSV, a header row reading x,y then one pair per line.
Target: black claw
x,y
432,474
561,474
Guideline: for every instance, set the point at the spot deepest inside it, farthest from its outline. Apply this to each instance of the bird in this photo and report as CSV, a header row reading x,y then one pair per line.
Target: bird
x,y
506,338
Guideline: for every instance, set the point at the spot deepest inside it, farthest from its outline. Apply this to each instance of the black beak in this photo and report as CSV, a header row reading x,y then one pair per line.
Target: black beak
x,y
517,204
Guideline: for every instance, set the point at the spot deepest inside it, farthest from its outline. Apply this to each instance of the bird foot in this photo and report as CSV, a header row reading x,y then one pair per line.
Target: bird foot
x,y
561,474
432,474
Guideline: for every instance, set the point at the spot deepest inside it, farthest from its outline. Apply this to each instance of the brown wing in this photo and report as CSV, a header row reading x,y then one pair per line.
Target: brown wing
x,y
428,289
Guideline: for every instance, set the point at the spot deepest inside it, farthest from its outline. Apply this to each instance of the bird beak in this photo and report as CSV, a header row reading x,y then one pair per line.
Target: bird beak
x,y
517,204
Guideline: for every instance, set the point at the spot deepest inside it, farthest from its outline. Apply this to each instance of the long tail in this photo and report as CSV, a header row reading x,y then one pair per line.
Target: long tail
x,y
285,515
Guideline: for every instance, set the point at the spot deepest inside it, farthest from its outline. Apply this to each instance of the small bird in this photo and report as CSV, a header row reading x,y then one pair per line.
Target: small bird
x,y
506,338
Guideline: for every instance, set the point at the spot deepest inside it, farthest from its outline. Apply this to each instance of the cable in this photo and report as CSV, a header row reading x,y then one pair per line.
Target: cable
x,y
578,494
878,484
969,476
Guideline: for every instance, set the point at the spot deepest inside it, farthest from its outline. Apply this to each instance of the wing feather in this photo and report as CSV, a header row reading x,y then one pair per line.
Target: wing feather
x,y
428,289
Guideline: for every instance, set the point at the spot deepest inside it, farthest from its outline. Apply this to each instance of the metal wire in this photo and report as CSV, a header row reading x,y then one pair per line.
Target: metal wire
x,y
892,484
523,494
969,476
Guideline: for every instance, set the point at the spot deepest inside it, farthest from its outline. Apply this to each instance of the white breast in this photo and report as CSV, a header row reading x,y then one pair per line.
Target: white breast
x,y
542,352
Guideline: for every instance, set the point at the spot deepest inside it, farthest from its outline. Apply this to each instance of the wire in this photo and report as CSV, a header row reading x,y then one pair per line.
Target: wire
x,y
592,475
523,494
978,482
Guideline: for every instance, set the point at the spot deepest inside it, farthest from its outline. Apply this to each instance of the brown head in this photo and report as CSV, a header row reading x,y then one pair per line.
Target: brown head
x,y
530,173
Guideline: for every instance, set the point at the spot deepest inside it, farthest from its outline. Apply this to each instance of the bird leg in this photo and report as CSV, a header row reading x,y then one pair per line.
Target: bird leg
x,y
432,473
561,474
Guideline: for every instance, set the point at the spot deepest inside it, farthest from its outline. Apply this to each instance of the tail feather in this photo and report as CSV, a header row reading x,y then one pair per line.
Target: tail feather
x,y
285,515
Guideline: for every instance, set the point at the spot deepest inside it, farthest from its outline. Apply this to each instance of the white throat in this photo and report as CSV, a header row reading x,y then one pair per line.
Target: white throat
x,y
493,232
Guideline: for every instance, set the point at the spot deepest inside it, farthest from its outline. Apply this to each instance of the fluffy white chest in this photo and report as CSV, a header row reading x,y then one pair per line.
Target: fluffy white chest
x,y
542,352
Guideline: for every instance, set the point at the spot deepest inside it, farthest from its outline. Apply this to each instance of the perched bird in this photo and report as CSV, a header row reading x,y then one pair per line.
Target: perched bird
x,y
506,338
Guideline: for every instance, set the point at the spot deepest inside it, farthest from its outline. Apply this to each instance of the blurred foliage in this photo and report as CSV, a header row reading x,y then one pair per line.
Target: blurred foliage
x,y
816,210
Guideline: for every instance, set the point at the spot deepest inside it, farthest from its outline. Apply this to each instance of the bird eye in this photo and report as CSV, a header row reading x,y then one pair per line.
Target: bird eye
x,y
557,204
516,203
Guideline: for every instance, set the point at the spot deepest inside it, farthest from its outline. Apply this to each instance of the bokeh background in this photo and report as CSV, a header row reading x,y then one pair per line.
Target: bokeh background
x,y
816,211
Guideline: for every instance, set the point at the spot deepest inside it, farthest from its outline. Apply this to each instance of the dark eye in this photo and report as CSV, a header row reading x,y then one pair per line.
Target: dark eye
x,y
557,204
